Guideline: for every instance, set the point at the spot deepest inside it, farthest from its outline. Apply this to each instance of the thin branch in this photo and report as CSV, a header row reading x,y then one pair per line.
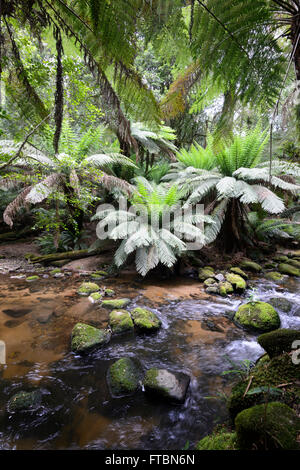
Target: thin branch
x,y
4,165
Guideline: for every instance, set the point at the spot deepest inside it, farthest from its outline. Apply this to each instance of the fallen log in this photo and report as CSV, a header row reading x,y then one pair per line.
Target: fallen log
x,y
70,255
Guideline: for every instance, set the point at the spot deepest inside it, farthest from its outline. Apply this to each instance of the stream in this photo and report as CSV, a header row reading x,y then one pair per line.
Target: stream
x,y
197,337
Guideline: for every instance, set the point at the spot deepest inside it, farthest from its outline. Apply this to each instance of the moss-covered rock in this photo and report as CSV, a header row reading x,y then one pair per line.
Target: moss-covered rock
x,y
274,276
219,440
225,288
258,316
281,303
270,265
95,297
239,284
115,303
109,292
294,262
145,320
288,269
279,370
124,377
87,288
24,401
32,278
85,337
209,281
120,321
166,384
251,266
279,341
55,271
239,271
281,258
205,273
267,428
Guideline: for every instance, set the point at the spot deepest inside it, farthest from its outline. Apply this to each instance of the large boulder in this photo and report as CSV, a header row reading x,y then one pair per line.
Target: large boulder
x,y
279,341
145,320
166,384
120,321
258,316
85,337
267,427
124,377
285,268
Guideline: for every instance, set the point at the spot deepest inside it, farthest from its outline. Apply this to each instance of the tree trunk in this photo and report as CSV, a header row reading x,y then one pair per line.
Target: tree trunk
x,y
233,231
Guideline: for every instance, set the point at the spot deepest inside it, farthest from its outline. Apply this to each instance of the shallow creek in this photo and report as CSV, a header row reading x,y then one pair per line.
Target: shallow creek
x,y
197,337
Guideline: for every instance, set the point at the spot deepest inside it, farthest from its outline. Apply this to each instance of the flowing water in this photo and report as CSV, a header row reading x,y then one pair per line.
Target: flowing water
x,y
78,412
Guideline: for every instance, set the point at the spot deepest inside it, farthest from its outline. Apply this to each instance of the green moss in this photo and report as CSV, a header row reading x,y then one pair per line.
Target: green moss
x,y
259,316
209,281
95,297
270,265
225,288
239,284
84,337
120,321
124,377
285,268
32,278
274,276
295,263
109,292
250,266
279,341
145,320
23,401
116,303
281,258
273,427
219,440
205,273
279,370
55,271
87,288
239,271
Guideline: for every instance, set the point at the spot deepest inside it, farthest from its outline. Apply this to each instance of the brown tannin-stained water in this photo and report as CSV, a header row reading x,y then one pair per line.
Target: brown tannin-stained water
x,y
78,412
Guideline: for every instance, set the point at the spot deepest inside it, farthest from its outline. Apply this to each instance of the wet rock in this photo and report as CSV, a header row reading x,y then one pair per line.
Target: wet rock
x,y
109,292
210,282
250,266
225,288
297,312
205,273
17,313
239,284
281,258
145,320
239,271
281,303
270,265
267,428
116,303
212,290
274,276
220,277
95,297
24,401
278,341
85,337
285,268
120,321
87,288
169,385
210,325
124,377
44,317
259,316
